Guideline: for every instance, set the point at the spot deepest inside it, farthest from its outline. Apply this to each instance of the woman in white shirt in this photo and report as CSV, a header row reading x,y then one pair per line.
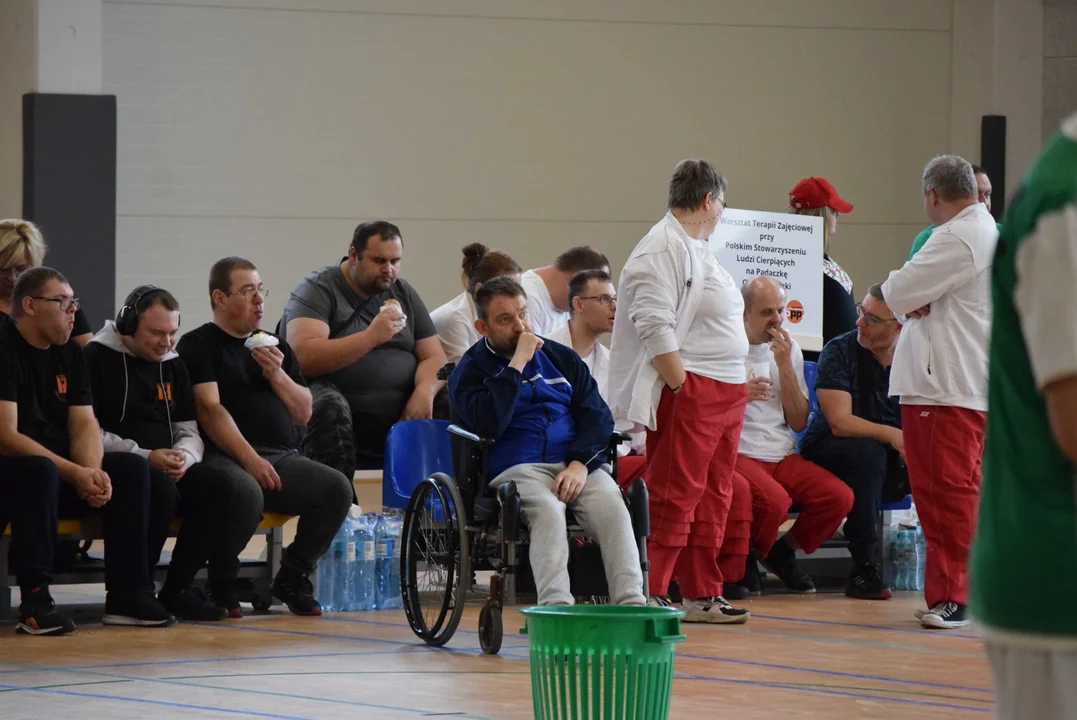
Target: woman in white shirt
x,y
677,367
455,320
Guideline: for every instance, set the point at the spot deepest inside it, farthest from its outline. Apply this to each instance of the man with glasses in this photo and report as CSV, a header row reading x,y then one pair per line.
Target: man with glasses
x,y
52,463
249,395
857,436
366,341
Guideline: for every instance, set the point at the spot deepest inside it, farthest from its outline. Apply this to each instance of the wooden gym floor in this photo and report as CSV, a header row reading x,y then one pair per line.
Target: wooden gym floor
x,y
821,656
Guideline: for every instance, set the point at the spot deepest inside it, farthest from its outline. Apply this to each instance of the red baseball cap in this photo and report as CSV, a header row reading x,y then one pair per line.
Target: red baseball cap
x,y
817,192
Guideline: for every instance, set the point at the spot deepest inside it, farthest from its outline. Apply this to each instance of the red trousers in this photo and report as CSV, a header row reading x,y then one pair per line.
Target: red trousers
x,y
738,531
772,488
690,461
944,450
629,468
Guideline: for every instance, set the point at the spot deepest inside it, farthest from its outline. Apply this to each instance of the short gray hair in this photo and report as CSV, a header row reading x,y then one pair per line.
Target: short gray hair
x,y
691,181
951,177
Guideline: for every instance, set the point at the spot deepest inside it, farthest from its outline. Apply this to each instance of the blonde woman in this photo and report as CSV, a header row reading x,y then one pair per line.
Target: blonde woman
x,y
22,248
815,196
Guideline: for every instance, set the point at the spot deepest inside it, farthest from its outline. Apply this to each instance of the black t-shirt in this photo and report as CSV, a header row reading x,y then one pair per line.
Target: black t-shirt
x,y
44,384
137,399
212,355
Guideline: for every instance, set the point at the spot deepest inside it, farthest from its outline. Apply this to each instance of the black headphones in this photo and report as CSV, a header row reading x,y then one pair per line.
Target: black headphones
x,y
127,319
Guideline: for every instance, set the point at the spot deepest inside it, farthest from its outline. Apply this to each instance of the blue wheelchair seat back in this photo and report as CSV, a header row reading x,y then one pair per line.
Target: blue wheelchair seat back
x,y
414,450
811,372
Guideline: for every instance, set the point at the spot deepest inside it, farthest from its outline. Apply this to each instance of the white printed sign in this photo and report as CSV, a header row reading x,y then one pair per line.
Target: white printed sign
x,y
788,248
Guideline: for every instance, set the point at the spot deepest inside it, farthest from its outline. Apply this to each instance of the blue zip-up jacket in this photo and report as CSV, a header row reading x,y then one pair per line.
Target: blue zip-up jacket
x,y
550,413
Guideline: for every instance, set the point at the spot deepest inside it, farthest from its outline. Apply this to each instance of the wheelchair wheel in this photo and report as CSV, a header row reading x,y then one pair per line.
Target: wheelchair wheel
x,y
435,563
491,628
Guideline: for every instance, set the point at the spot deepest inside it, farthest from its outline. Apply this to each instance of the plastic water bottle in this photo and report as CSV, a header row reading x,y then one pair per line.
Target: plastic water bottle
x,y
325,579
907,569
345,574
338,552
396,529
364,568
891,561
921,558
388,594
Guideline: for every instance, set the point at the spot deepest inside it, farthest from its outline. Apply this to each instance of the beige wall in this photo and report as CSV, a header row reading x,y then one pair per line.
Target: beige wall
x,y
17,71
527,126
1059,62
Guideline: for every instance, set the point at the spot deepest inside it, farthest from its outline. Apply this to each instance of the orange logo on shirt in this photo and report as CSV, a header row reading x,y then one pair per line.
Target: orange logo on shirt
x,y
795,311
61,385
164,392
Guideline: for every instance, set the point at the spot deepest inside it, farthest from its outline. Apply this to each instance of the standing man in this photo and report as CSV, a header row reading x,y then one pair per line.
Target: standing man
x,y
677,368
983,194
940,373
767,456
547,286
856,436
144,402
249,395
48,433
1028,515
366,342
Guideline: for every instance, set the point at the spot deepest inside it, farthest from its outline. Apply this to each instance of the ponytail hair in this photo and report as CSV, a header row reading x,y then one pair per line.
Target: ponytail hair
x,y
482,265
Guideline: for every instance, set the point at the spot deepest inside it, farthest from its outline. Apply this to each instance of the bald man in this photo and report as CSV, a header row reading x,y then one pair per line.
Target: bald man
x,y
767,459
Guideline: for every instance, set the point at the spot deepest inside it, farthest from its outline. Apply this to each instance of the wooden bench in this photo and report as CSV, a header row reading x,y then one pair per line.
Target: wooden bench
x,y
256,575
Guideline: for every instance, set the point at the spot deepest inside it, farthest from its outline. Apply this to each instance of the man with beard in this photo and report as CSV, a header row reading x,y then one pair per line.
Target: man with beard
x,y
366,342
551,430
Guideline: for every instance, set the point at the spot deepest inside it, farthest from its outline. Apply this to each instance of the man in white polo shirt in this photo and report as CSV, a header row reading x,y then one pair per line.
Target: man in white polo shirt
x,y
940,373
547,287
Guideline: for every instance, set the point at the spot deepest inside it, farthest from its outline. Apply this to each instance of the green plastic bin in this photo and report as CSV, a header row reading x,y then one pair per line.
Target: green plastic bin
x,y
608,662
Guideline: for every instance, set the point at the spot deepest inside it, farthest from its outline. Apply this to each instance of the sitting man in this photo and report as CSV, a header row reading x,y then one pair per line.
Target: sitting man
x,y
547,286
857,436
768,465
551,430
593,305
249,395
48,433
144,402
366,342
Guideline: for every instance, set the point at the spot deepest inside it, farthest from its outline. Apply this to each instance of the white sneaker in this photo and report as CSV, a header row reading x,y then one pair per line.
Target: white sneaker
x,y
713,610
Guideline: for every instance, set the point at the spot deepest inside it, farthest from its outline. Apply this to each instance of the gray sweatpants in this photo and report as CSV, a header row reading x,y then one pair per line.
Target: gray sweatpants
x,y
1033,682
601,511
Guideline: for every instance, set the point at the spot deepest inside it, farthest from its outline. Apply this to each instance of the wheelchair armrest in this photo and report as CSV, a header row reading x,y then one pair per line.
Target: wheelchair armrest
x,y
639,508
619,437
469,436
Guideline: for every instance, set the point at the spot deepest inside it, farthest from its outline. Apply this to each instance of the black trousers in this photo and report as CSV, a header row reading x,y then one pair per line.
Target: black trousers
x,y
29,488
862,464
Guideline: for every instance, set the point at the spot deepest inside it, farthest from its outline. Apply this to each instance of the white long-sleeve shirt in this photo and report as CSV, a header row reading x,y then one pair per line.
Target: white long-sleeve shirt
x,y
455,323
941,359
545,317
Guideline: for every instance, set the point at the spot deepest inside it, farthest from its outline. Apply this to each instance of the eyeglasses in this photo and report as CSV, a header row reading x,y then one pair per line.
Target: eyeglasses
x,y
249,292
67,304
14,270
606,300
872,319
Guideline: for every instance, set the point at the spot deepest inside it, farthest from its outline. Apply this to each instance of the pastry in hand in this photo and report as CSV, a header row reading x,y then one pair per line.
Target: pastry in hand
x,y
260,338
395,305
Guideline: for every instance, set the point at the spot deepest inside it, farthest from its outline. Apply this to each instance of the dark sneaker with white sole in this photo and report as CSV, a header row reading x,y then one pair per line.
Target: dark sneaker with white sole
x,y
713,610
139,609
38,615
297,592
945,616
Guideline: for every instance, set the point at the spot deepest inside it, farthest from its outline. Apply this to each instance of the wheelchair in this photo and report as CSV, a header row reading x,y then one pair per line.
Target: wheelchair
x,y
455,526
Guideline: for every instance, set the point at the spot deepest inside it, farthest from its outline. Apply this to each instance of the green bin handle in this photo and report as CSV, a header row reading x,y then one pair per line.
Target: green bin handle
x,y
654,637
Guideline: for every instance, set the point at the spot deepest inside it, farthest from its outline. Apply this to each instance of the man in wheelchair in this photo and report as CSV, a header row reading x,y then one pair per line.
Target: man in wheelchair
x,y
551,432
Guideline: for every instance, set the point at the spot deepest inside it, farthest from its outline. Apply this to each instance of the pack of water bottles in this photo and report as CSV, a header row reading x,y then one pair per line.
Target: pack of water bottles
x,y
361,570
908,557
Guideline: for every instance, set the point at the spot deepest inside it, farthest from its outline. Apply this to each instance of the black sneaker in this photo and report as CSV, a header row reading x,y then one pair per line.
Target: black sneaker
x,y
38,615
227,599
782,561
945,616
297,592
734,590
752,580
713,610
866,583
192,604
139,609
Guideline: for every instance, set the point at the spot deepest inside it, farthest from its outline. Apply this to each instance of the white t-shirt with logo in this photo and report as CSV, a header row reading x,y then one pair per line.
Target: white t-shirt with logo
x,y
766,435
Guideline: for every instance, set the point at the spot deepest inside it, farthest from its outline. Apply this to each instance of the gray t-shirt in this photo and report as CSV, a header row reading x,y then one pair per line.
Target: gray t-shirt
x,y
381,382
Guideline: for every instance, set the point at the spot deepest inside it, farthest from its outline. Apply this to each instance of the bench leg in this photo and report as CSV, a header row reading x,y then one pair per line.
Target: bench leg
x,y
274,548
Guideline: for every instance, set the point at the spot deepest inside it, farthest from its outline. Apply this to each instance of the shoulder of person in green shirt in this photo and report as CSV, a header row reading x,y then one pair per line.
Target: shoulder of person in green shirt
x,y
925,234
